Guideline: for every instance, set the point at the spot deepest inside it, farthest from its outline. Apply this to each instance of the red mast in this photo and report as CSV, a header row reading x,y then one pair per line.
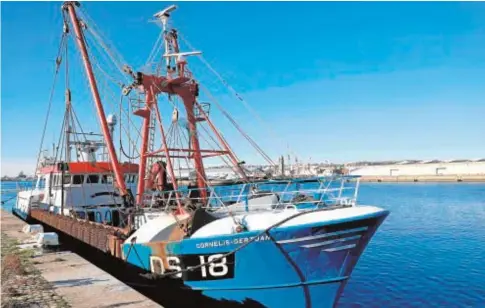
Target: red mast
x,y
187,91
69,6
177,81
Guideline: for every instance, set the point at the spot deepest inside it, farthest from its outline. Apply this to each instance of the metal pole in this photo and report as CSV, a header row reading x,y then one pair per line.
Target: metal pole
x,y
97,100
223,142
145,114
167,157
67,128
62,187
193,139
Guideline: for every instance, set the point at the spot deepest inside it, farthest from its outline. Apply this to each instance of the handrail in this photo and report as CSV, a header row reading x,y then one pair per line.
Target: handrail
x,y
325,191
269,194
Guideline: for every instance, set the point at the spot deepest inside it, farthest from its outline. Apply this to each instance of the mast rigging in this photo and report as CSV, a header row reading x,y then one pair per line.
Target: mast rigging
x,y
76,23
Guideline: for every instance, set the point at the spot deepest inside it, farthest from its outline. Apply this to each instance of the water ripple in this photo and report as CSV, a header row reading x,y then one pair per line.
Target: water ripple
x,y
430,252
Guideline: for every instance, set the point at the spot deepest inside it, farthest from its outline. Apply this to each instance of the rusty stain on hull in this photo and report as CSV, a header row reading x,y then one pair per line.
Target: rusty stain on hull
x,y
105,238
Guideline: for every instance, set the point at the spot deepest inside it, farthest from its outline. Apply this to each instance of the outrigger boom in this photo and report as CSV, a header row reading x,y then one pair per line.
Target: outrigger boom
x,y
69,6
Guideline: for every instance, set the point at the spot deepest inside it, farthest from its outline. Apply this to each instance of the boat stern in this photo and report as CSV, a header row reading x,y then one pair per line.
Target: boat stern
x,y
25,200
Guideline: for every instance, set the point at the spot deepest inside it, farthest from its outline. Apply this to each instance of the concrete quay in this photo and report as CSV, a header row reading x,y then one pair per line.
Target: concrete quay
x,y
59,279
423,178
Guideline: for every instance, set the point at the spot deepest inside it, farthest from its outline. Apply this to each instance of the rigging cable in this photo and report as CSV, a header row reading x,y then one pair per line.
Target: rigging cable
x,y
155,49
51,95
224,160
239,128
110,90
225,83
121,143
94,60
111,56
217,197
234,123
112,52
222,137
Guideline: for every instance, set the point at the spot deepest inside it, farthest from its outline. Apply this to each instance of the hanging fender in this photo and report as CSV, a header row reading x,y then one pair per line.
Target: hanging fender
x,y
157,177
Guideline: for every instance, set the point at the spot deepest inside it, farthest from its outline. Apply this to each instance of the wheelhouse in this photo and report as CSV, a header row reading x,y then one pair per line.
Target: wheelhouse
x,y
84,173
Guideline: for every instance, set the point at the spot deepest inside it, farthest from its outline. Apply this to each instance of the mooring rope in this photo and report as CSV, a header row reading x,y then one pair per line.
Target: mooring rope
x,y
5,201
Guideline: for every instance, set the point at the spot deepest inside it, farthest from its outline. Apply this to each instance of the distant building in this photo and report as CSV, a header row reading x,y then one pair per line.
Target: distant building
x,y
421,168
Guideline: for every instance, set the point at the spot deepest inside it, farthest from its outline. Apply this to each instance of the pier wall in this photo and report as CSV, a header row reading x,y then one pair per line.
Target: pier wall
x,y
431,172
424,178
434,169
63,278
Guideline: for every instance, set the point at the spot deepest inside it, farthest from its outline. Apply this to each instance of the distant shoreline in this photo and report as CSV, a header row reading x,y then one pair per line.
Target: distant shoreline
x,y
424,178
16,180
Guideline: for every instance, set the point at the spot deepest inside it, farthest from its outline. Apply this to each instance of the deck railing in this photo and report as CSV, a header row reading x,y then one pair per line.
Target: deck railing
x,y
294,193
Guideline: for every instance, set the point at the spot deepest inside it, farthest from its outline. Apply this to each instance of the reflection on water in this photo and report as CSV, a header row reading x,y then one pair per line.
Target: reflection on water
x,y
428,253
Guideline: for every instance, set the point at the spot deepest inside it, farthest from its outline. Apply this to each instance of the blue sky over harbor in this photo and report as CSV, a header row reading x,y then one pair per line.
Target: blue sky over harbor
x,y
334,80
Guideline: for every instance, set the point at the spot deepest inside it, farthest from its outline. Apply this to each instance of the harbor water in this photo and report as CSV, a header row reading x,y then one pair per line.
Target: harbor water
x,y
429,252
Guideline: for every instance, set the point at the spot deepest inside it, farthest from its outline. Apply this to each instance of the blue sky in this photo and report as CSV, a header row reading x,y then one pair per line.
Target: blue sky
x,y
338,81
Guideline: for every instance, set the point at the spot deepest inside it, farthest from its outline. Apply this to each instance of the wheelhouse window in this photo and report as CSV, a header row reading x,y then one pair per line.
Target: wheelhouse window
x,y
130,178
78,179
98,217
107,217
92,179
81,215
41,183
107,179
67,179
91,216
57,180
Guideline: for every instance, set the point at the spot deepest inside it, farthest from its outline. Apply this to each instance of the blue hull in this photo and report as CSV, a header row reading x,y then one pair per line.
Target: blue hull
x,y
302,266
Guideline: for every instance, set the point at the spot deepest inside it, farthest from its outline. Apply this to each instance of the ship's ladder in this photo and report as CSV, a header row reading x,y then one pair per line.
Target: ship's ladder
x,y
151,142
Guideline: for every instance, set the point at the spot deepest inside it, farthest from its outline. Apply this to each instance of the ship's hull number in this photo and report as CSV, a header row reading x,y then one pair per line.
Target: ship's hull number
x,y
209,267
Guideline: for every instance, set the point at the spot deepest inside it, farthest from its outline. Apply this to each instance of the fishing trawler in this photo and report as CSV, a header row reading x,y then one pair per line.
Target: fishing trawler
x,y
276,242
